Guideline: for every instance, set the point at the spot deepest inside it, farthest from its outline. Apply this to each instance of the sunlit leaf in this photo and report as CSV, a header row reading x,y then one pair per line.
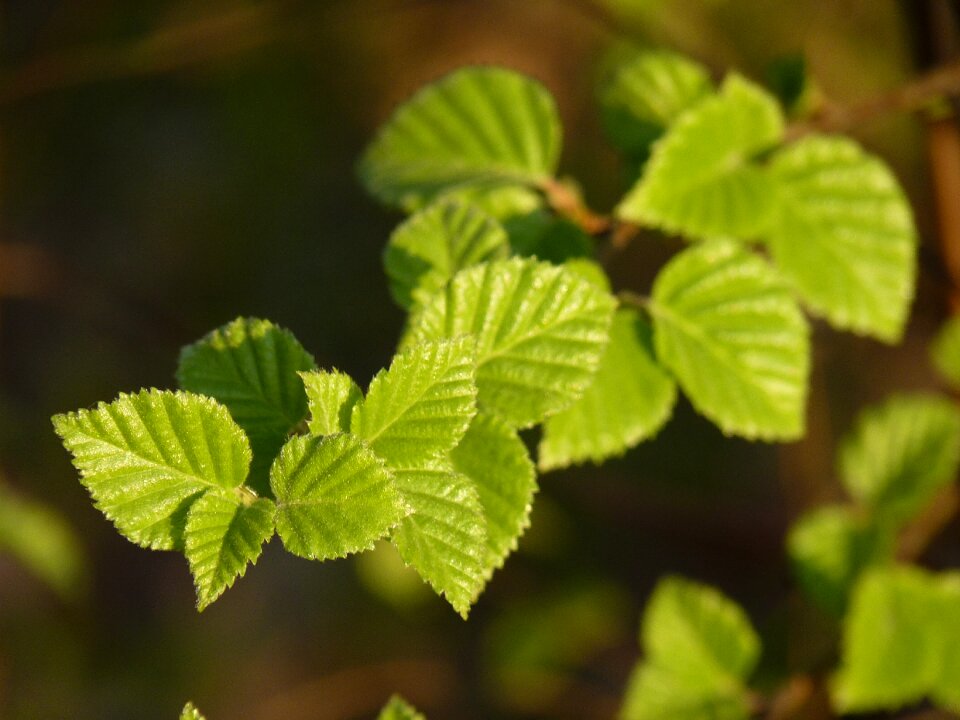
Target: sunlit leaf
x,y
436,243
145,458
334,496
700,180
494,457
421,406
629,401
646,94
331,397
732,334
477,124
399,709
540,332
251,365
445,537
224,533
844,235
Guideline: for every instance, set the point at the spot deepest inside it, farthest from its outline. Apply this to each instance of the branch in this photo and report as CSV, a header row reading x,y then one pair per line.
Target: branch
x,y
915,95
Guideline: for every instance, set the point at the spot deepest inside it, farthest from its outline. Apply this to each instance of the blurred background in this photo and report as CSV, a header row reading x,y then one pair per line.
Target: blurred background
x,y
166,166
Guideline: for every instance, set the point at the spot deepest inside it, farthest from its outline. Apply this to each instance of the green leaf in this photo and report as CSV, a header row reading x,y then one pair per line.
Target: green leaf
x,y
437,242
331,397
946,689
445,537
695,632
494,457
700,649
892,655
945,351
334,496
844,235
251,365
478,124
646,94
224,533
629,401
43,542
540,331
830,547
901,453
399,709
145,458
700,180
728,329
654,693
190,712
421,407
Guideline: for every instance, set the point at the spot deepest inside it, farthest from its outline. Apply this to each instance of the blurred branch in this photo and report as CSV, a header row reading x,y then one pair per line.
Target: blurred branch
x,y
28,271
363,691
180,45
918,94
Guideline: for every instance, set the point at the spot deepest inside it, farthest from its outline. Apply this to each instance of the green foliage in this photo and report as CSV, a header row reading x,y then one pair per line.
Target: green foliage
x,y
476,125
901,453
445,537
644,95
844,235
701,180
334,496
190,712
629,401
732,335
699,649
419,409
399,709
331,397
945,351
900,642
437,242
513,324
146,458
495,459
225,532
43,542
540,333
830,547
250,366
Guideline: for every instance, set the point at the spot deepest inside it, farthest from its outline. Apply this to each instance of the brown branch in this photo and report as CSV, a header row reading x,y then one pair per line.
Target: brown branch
x,y
918,94
567,203
168,48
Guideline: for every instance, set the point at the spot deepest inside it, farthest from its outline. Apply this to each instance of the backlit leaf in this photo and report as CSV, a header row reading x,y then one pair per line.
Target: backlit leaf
x,y
334,496
733,336
331,397
437,242
629,401
540,332
445,537
251,365
421,406
146,457
494,457
700,180
225,532
477,124
844,235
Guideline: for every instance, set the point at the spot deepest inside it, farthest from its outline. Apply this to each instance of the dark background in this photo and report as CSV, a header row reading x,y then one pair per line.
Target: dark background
x,y
167,166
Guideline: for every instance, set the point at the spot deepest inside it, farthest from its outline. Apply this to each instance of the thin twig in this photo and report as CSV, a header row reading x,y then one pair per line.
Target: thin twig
x,y
918,94
567,203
